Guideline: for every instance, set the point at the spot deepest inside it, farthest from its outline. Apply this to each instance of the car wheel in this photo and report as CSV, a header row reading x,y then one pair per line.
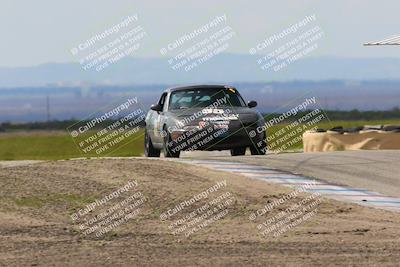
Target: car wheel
x,y
168,152
240,151
259,147
149,150
258,150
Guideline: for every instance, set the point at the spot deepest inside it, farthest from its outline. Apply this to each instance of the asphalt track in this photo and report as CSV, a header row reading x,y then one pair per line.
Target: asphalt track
x,y
375,170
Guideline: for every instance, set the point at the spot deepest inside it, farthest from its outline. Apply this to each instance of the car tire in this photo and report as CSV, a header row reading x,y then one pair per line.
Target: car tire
x,y
240,151
149,150
168,153
258,150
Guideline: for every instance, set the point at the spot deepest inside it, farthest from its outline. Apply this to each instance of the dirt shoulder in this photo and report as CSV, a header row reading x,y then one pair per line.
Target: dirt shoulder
x,y
37,201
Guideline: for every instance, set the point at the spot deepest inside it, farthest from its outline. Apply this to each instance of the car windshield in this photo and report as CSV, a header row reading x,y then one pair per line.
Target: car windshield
x,y
201,98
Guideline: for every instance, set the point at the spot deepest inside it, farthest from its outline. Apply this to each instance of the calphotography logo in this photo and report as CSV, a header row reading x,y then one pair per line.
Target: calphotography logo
x,y
198,46
199,212
290,217
106,130
111,45
300,39
285,129
111,211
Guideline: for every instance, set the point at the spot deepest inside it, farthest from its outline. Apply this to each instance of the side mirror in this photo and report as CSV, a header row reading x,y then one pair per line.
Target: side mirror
x,y
252,104
156,107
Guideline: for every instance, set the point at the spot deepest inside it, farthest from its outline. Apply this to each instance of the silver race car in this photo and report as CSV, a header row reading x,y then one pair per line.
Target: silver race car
x,y
203,117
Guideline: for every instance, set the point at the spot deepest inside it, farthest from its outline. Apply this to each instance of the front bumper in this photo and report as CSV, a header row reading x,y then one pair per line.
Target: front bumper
x,y
216,137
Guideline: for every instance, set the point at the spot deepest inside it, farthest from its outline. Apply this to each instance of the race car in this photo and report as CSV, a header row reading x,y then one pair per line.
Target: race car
x,y
203,117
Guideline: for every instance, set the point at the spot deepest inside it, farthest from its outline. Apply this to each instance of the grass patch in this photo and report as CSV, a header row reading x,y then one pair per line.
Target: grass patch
x,y
54,199
58,146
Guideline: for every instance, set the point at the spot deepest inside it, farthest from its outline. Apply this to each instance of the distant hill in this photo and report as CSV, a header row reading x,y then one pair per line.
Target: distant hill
x,y
222,68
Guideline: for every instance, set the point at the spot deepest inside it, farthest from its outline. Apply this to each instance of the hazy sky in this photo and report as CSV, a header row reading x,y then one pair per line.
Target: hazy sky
x,y
41,31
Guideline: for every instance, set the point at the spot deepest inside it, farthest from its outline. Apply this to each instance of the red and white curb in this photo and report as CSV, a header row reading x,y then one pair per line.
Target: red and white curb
x,y
344,193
